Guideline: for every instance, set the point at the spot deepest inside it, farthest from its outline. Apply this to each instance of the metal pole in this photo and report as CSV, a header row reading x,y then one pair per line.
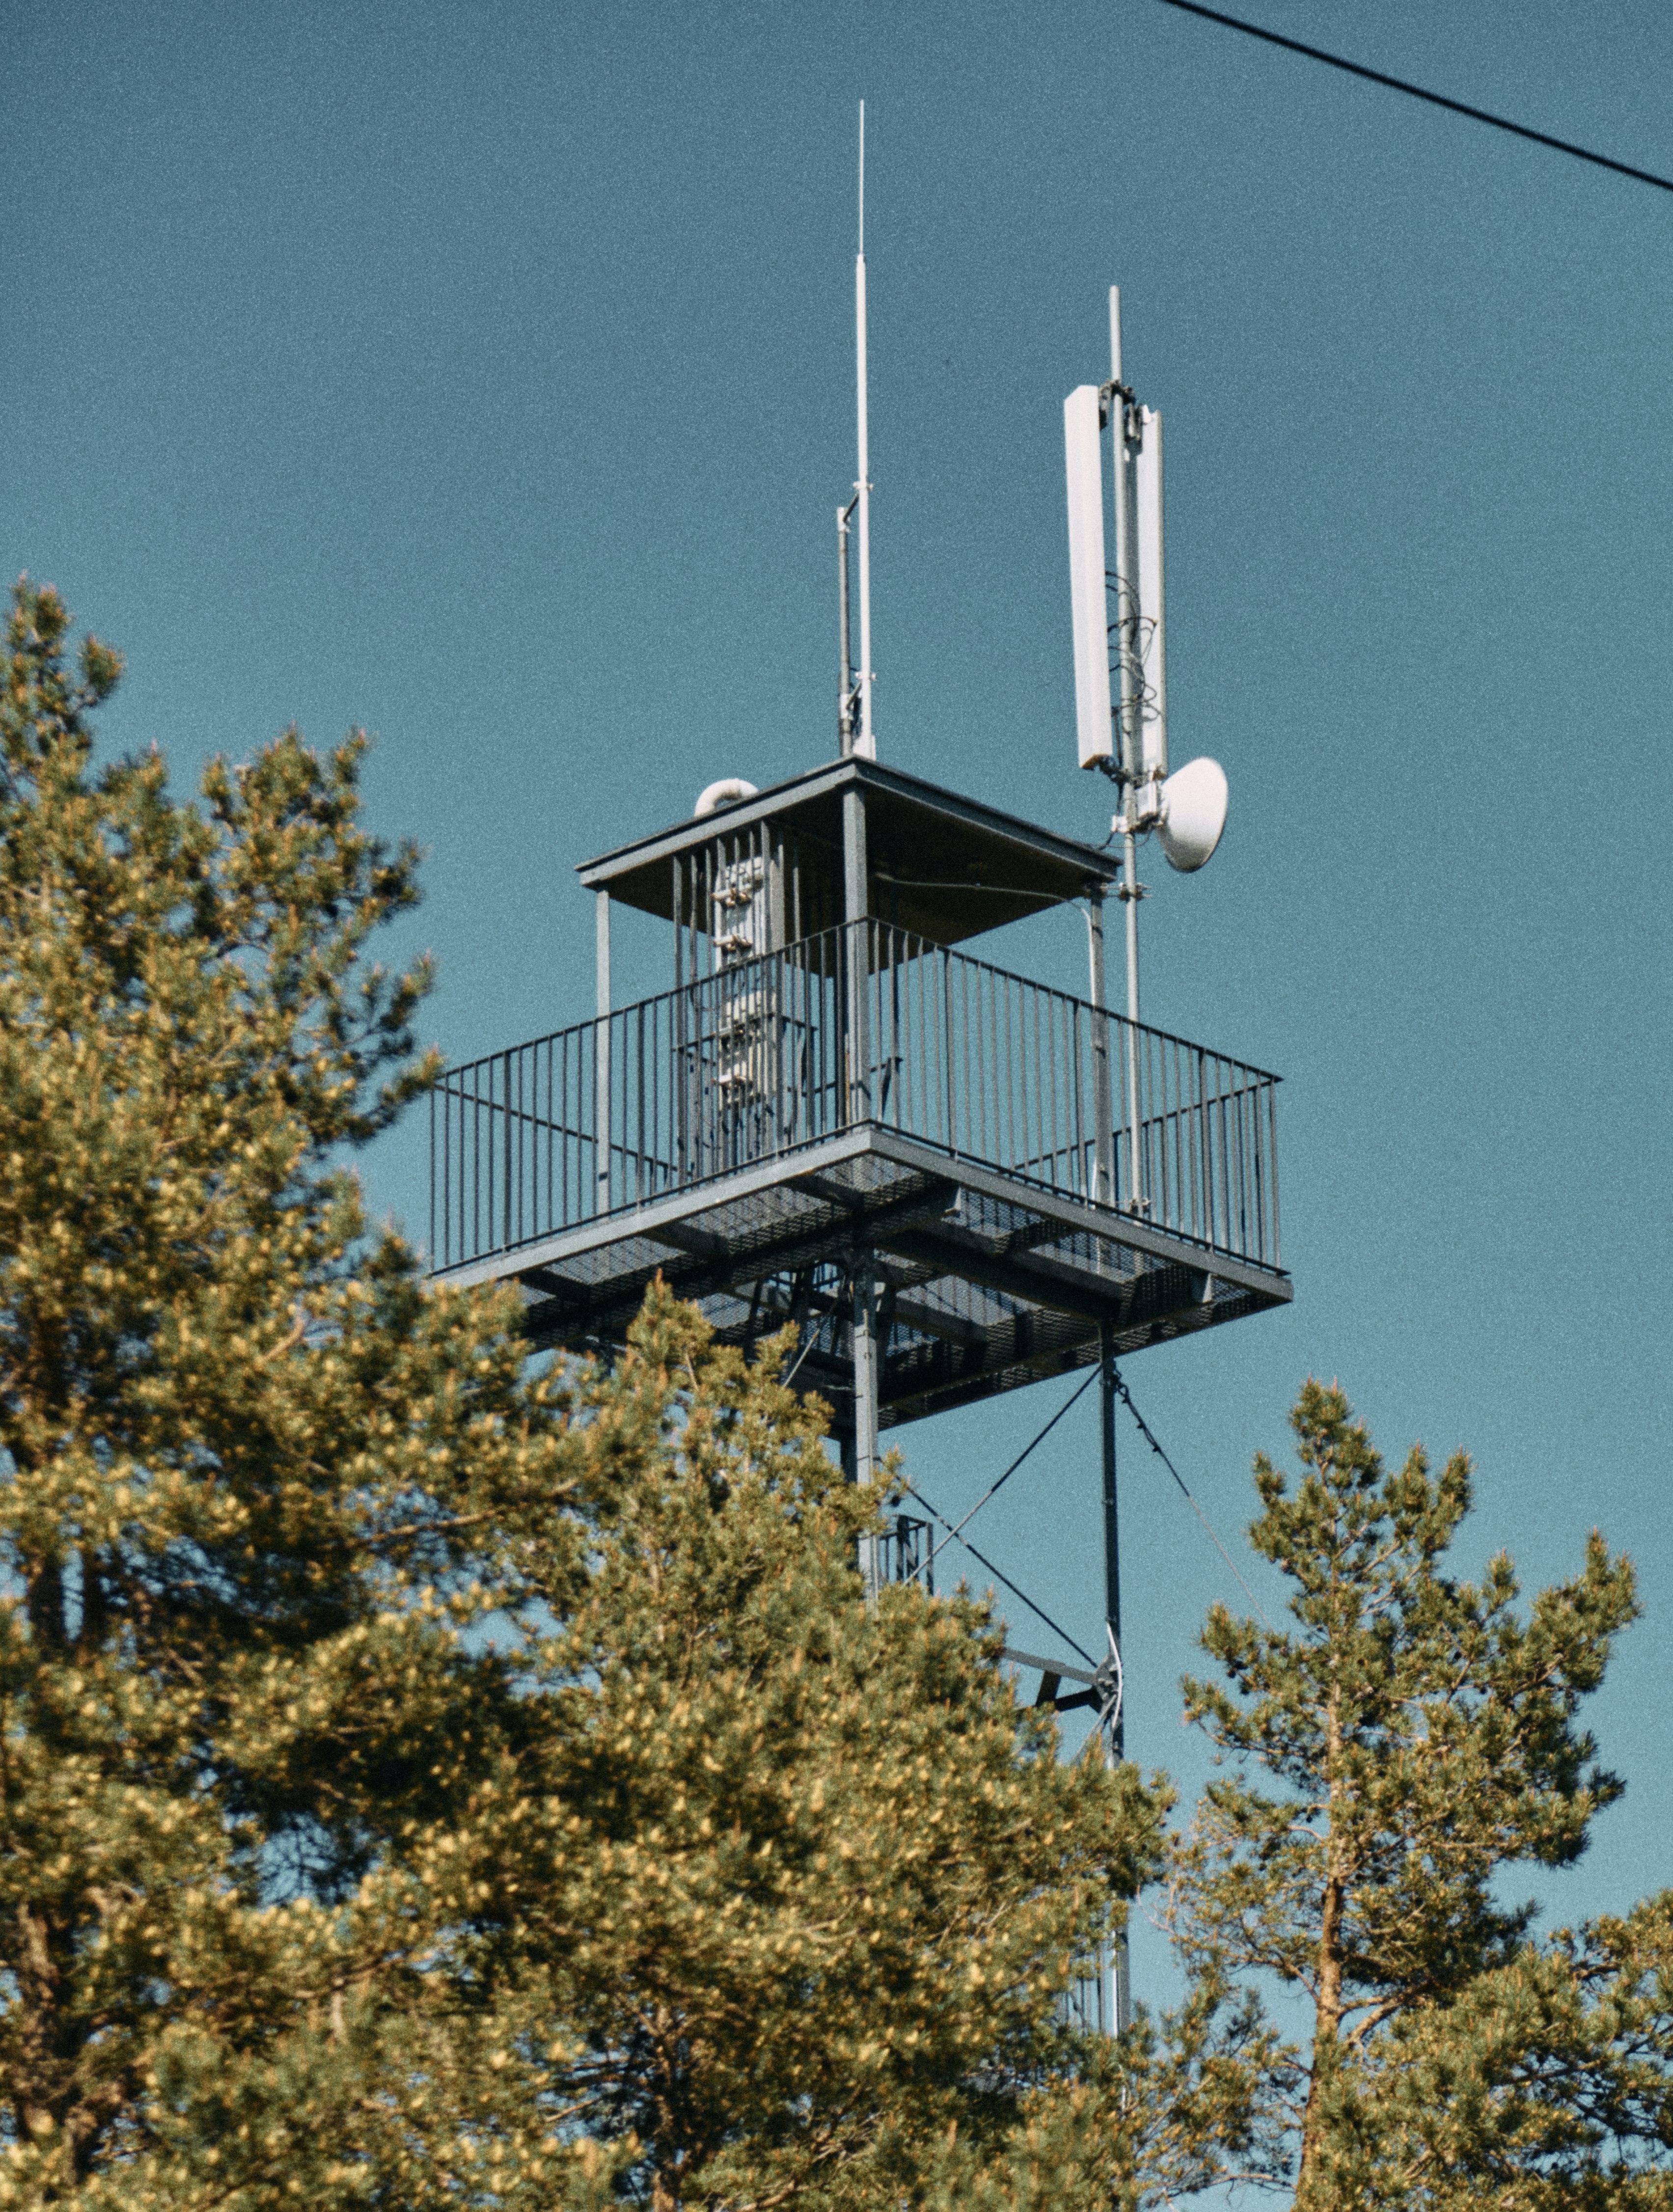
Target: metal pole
x,y
1127,625
865,742
845,694
865,1414
602,1055
1103,1132
1127,595
856,895
1130,892
1118,1744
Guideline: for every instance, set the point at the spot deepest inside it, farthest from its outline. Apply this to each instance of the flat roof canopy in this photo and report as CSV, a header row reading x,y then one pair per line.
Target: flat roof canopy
x,y
941,867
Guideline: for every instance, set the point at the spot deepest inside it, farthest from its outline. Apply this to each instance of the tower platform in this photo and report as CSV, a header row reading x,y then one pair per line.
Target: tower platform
x,y
837,1120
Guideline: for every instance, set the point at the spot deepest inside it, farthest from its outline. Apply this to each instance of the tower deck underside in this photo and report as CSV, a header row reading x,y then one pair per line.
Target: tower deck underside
x,y
985,1283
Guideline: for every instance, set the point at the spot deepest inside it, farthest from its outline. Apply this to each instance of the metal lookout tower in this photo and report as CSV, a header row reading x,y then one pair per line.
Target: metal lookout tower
x,y
956,1181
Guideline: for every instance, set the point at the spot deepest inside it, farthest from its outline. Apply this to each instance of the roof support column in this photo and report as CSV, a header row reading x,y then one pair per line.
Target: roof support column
x,y
856,954
601,1053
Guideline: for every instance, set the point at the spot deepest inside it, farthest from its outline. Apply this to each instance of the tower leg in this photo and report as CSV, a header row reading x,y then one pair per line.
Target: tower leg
x,y
864,1467
1118,1746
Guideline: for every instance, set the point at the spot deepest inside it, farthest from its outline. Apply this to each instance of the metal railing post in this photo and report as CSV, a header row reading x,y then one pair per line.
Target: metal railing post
x,y
602,1061
1104,1120
856,896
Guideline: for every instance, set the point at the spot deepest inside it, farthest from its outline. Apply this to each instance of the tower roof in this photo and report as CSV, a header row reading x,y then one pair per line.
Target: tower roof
x,y
943,866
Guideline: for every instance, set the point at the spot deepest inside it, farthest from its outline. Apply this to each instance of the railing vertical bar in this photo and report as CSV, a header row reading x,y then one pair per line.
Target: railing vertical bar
x,y
1057,1153
1017,1038
1174,1133
476,1162
1004,1055
1200,1164
1029,1010
1223,1237
975,1109
999,1058
1272,1133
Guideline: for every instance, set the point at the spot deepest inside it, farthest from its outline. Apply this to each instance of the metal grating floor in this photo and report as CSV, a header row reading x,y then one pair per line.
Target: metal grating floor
x,y
986,1285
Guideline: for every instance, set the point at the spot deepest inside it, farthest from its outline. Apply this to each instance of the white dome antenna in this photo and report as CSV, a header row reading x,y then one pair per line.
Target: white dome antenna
x,y
1193,817
729,790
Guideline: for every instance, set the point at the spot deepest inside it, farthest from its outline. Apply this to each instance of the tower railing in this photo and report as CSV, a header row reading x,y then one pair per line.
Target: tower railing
x,y
864,1023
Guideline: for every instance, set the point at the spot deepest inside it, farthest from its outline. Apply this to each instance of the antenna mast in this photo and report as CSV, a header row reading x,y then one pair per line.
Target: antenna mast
x,y
866,741
1127,665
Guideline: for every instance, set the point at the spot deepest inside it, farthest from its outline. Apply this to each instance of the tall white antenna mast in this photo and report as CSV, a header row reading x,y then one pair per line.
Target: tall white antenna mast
x,y
866,741
1121,716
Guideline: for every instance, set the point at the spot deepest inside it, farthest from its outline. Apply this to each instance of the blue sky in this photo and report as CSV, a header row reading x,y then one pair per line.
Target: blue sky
x,y
482,375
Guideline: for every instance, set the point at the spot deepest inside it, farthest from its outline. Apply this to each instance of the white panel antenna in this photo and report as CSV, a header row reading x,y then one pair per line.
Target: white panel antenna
x,y
1083,457
1152,617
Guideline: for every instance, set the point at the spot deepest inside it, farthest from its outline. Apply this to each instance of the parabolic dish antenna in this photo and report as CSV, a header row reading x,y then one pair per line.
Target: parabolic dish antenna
x,y
1193,814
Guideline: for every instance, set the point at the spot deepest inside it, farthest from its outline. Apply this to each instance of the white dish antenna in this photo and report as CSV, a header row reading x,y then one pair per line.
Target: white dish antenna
x,y
1193,816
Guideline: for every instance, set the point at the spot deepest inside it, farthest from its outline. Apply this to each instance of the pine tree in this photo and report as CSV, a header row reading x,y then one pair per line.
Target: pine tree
x,y
428,1777
801,1888
1408,1742
252,1479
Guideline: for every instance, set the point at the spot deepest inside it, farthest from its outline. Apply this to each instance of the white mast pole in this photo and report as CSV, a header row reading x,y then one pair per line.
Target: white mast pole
x,y
1130,890
865,742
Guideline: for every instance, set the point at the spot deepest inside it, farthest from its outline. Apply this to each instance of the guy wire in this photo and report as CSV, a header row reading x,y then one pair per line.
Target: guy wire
x,y
1119,1383
1035,1610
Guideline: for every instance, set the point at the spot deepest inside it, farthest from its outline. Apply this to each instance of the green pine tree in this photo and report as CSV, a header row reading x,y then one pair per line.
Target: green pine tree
x,y
253,1480
1410,1740
431,1777
798,1888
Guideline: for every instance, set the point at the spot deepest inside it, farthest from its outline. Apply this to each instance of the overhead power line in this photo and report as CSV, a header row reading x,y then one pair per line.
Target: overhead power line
x,y
1420,92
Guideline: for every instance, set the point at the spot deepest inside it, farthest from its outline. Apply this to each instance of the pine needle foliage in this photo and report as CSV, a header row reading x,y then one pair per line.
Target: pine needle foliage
x,y
801,1888
1412,1739
429,1777
250,1476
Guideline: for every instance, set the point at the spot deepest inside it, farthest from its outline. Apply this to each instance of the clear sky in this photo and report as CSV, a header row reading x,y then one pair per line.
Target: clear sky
x,y
482,374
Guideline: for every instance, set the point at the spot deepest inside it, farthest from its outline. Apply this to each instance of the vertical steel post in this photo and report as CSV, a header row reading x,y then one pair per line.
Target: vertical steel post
x,y
1129,708
845,688
601,1054
1117,1745
1130,892
864,1467
857,902
856,889
1103,1132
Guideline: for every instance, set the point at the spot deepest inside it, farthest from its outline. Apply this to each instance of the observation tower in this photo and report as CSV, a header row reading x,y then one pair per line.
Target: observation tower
x,y
844,1113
